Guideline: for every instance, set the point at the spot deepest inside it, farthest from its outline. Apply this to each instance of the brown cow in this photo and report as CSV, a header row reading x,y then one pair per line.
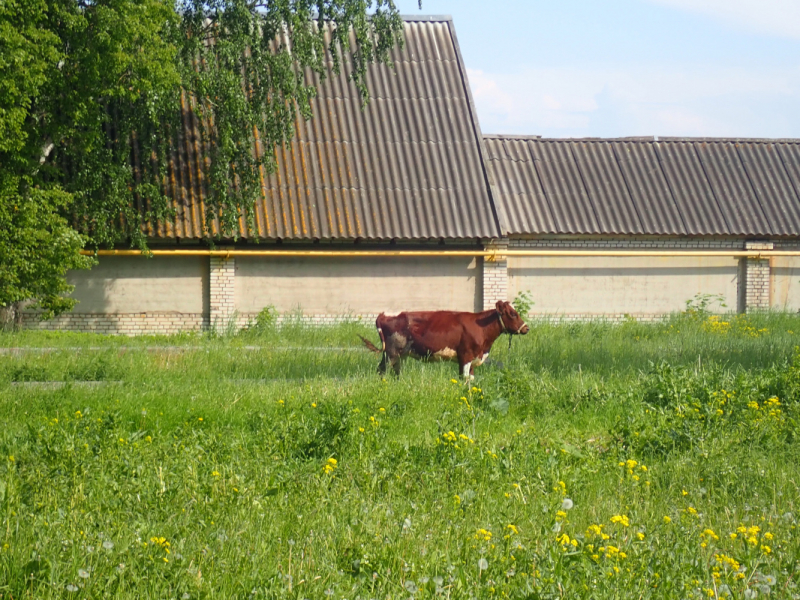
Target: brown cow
x,y
444,335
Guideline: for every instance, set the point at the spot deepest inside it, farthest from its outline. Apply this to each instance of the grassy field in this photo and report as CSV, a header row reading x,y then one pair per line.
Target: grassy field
x,y
588,461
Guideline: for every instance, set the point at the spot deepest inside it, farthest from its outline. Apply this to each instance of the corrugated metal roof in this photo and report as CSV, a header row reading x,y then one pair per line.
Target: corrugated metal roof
x,y
631,186
407,166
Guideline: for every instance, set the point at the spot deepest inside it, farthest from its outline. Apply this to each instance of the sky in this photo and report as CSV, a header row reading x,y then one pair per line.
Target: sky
x,y
614,68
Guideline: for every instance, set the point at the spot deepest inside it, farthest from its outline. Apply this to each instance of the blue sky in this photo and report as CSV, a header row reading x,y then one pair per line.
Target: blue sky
x,y
610,68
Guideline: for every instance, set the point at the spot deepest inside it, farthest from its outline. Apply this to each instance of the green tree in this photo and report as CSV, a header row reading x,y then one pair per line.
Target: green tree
x,y
37,245
86,84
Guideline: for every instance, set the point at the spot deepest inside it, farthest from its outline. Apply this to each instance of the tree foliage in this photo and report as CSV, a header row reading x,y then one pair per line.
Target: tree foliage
x,y
249,64
38,248
88,88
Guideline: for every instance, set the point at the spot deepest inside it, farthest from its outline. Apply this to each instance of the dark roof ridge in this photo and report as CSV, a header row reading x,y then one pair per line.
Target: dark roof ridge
x,y
434,18
729,139
645,138
508,136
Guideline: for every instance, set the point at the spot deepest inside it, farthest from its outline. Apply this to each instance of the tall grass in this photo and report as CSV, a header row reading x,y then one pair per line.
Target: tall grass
x,y
276,463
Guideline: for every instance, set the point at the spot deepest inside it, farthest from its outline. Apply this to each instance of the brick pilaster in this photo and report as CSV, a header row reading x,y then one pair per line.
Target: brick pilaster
x,y
495,275
221,290
757,278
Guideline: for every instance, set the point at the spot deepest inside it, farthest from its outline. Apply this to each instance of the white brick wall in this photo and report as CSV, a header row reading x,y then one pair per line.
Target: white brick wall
x,y
607,242
247,319
221,288
757,278
495,275
121,323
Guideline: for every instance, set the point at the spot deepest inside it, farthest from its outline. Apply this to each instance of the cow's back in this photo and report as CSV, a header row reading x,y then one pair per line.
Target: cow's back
x,y
435,330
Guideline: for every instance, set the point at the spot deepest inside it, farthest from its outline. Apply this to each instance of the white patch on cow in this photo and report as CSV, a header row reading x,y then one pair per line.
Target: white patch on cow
x,y
444,354
480,360
466,371
398,339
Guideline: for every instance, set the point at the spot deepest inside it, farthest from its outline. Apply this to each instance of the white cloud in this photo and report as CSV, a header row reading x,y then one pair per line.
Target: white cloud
x,y
774,17
574,102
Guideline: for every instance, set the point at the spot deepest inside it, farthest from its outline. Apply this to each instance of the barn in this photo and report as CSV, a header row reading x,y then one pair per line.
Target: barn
x,y
638,227
407,205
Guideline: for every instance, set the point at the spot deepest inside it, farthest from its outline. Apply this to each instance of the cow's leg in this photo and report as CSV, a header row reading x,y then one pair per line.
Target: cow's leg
x,y
397,363
477,362
382,366
466,371
465,362
393,357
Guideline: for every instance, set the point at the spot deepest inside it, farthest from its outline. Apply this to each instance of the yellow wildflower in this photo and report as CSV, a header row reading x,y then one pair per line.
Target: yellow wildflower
x,y
160,541
621,519
330,466
594,530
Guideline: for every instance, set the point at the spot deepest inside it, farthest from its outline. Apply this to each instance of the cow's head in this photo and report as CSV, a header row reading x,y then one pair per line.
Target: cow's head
x,y
510,318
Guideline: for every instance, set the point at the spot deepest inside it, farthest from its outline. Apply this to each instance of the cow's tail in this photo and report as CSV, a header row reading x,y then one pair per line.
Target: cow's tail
x,y
370,346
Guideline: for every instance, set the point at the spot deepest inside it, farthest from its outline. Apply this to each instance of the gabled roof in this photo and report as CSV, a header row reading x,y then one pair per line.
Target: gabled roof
x,y
407,166
648,186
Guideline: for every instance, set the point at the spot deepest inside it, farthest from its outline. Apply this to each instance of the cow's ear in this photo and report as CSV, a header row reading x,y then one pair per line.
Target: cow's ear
x,y
499,305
